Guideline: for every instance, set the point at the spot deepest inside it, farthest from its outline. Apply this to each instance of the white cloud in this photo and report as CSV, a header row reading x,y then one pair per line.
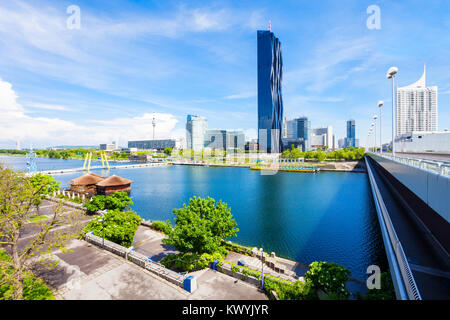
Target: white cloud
x,y
15,124
242,95
48,106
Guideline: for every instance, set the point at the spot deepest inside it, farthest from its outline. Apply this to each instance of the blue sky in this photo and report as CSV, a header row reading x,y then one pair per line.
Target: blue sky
x,y
132,60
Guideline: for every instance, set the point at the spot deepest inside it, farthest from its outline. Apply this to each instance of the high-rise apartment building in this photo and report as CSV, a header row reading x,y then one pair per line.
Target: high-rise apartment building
x,y
270,102
196,127
417,107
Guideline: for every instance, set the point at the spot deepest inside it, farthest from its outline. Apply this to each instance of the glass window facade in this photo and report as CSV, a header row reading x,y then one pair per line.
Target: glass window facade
x,y
350,140
270,102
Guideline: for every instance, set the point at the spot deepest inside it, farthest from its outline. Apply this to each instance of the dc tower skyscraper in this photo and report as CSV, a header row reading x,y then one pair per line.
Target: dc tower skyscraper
x,y
270,101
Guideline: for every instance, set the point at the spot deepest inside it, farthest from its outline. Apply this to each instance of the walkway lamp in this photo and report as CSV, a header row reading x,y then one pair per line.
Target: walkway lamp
x,y
375,127
380,105
390,75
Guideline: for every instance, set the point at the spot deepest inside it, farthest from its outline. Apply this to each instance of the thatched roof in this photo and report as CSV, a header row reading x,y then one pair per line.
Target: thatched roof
x,y
87,179
114,181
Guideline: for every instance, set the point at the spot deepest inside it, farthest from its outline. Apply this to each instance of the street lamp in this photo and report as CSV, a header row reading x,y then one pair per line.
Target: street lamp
x,y
380,105
390,75
262,267
375,126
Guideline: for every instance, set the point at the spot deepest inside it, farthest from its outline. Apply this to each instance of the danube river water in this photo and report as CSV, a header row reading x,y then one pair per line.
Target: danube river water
x,y
328,216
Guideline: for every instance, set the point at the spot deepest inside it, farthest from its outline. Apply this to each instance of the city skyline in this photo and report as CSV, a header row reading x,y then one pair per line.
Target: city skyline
x,y
60,86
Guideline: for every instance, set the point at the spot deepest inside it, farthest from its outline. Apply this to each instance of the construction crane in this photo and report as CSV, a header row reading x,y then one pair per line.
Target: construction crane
x,y
154,125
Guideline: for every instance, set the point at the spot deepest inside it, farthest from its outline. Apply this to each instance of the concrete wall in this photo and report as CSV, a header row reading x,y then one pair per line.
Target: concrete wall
x,y
432,188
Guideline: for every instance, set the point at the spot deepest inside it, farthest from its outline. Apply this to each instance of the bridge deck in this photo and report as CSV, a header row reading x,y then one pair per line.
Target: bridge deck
x,y
430,271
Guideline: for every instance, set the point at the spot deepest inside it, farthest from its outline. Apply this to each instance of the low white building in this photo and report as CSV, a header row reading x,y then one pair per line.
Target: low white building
x,y
423,141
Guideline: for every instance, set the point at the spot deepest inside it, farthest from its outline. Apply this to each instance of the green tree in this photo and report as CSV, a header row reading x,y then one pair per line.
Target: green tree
x,y
168,150
286,154
296,153
320,155
118,226
53,154
46,185
328,277
17,198
201,225
118,201
309,155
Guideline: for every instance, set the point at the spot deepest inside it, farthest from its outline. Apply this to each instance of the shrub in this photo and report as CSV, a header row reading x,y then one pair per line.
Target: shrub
x,y
162,226
119,226
118,201
189,262
329,277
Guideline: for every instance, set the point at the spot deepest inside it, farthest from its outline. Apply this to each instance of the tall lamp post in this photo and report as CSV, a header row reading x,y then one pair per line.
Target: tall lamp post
x,y
380,105
390,75
371,130
375,127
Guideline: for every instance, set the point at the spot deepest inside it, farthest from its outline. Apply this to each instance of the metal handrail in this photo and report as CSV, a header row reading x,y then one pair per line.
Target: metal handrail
x,y
408,283
441,168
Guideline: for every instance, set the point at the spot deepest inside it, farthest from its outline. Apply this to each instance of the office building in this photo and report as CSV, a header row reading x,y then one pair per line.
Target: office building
x,y
223,139
196,127
291,129
270,102
155,144
417,107
351,134
424,141
303,126
321,137
108,146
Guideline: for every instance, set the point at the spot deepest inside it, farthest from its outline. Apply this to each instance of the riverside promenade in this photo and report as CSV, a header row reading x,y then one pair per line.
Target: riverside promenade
x,y
86,272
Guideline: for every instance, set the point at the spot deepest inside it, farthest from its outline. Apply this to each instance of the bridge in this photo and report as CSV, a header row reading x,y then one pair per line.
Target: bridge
x,y
124,166
411,193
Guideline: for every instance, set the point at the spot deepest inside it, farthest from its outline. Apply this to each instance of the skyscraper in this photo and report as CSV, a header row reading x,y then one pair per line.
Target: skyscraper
x,y
270,102
350,140
196,127
304,132
417,107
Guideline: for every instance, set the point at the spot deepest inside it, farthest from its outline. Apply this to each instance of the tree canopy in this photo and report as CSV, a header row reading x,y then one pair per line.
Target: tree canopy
x,y
201,226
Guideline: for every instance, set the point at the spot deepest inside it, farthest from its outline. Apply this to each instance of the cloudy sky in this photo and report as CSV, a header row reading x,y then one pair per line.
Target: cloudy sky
x,y
131,61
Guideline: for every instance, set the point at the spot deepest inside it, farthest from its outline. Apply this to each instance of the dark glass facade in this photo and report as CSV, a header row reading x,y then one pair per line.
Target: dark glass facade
x,y
350,141
270,101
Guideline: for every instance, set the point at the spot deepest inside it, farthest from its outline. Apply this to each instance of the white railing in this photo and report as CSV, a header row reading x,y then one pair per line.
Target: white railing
x,y
438,167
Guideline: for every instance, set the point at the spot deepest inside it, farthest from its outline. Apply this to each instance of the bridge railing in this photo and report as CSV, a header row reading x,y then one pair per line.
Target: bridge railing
x,y
442,168
404,283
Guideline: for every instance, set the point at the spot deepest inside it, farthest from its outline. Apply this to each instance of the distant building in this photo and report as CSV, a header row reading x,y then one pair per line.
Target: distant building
x,y
291,129
341,143
351,134
423,141
223,139
86,184
155,144
321,137
113,184
129,150
196,127
270,101
108,146
303,126
417,107
251,146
